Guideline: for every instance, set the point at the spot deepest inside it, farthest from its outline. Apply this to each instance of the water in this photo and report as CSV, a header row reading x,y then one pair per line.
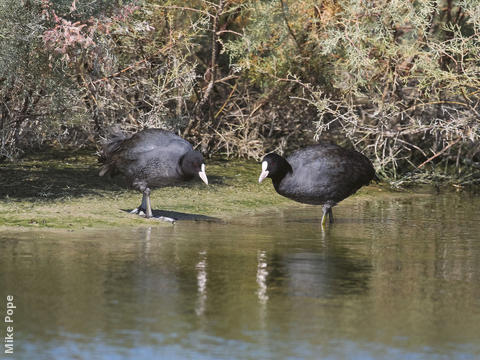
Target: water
x,y
391,279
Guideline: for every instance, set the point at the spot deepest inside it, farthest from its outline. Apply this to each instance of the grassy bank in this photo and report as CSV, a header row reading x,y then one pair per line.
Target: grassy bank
x,y
62,190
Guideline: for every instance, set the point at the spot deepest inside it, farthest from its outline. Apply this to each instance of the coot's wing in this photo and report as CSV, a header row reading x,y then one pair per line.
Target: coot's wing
x,y
153,141
329,172
316,167
333,162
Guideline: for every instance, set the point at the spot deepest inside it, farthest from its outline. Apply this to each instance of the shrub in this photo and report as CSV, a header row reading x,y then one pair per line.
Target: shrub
x,y
398,79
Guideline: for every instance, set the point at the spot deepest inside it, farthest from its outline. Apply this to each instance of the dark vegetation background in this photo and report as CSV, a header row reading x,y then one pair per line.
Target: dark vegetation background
x,y
396,79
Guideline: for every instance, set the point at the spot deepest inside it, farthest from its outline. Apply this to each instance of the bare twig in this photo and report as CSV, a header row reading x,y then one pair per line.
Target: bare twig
x,y
226,101
439,153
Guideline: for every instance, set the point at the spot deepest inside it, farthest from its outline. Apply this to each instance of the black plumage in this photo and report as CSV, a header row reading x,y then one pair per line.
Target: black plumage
x,y
151,158
322,174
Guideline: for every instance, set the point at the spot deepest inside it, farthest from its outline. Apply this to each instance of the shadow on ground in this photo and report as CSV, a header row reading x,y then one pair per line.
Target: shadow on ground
x,y
179,216
51,183
54,175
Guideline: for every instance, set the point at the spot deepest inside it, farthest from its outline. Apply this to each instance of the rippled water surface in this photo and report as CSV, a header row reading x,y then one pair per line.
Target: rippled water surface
x,y
391,279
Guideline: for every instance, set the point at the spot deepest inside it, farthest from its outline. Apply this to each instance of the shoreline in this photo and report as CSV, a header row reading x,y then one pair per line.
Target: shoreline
x,y
61,191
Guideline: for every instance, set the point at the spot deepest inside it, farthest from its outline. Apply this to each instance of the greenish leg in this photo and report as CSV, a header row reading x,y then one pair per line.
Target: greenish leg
x,y
325,209
324,220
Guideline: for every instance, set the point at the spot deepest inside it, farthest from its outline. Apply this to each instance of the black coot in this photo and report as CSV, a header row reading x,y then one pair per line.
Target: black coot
x,y
152,158
322,174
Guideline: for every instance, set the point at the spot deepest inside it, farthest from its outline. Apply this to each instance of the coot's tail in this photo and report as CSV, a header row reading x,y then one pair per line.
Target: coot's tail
x,y
109,147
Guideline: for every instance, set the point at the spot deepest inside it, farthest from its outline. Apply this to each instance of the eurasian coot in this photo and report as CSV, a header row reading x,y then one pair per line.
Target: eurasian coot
x,y
152,158
322,174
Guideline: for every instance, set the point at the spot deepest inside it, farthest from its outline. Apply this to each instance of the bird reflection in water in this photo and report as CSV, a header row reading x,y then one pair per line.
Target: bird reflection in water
x,y
262,274
201,269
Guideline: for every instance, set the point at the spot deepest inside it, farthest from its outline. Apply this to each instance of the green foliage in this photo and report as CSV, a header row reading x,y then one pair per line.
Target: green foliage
x,y
19,73
38,103
397,80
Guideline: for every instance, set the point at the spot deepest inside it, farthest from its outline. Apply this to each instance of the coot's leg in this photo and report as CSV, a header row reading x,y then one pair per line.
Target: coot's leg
x,y
143,205
330,215
146,194
147,205
326,210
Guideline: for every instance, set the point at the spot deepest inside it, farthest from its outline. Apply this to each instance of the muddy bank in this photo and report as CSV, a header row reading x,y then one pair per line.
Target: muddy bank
x,y
62,190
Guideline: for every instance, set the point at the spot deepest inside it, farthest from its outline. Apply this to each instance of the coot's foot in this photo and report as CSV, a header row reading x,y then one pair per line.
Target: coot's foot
x,y
142,212
139,210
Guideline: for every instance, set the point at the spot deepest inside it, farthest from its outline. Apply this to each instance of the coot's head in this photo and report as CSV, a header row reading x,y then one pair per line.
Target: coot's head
x,y
275,167
192,165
